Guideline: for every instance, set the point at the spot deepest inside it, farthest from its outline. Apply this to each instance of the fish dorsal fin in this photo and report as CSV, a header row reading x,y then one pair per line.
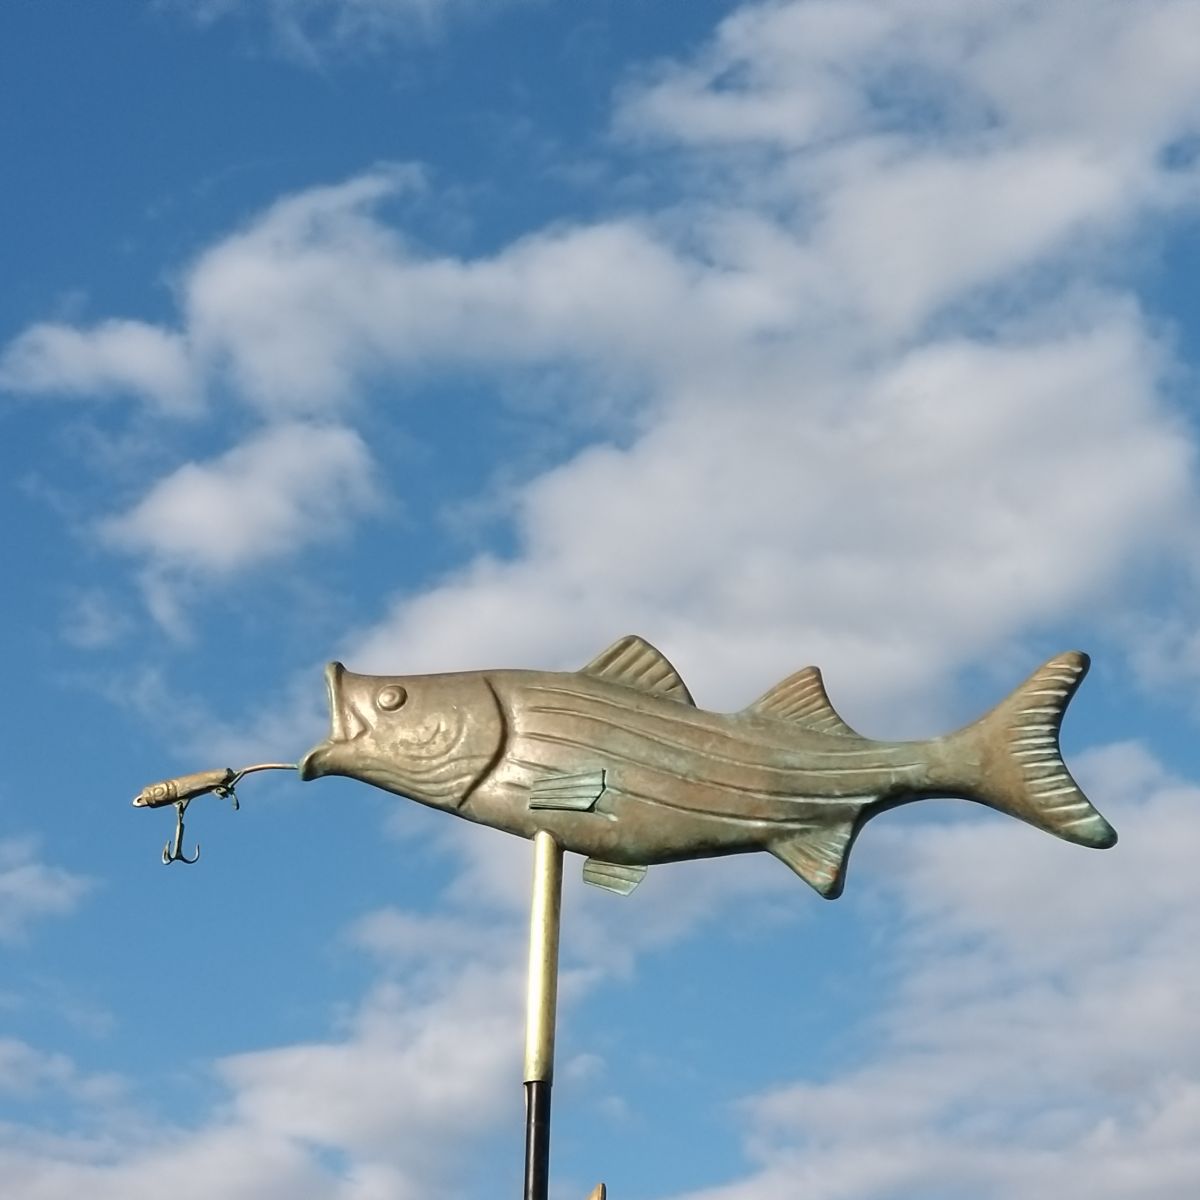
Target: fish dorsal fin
x,y
802,699
633,662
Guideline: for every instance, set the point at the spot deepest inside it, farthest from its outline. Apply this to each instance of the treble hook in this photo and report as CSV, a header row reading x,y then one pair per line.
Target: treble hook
x,y
174,853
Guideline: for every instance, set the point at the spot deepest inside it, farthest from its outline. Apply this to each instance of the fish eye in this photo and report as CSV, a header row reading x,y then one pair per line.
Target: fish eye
x,y
391,697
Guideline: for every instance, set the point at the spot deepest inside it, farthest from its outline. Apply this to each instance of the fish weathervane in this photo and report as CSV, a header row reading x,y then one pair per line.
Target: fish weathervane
x,y
617,763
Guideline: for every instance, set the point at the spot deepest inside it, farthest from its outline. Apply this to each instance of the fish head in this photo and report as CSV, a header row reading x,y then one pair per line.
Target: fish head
x,y
428,737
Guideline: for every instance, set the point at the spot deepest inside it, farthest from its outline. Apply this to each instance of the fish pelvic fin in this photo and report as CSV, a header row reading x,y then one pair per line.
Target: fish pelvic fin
x,y
618,878
1023,773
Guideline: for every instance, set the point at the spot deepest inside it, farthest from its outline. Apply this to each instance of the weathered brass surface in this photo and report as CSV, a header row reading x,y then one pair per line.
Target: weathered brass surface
x,y
616,762
541,1008
184,788
545,915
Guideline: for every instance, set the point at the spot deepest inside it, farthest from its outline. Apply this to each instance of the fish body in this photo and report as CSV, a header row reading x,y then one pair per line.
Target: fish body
x,y
617,763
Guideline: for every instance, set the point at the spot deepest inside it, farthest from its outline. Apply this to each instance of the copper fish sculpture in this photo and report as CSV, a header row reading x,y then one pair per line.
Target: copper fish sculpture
x,y
617,763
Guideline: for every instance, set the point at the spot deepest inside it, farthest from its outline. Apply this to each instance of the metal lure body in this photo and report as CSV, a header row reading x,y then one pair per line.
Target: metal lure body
x,y
184,788
617,763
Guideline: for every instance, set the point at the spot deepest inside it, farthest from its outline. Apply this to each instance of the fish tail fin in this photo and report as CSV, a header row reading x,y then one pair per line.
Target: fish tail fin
x,y
1022,770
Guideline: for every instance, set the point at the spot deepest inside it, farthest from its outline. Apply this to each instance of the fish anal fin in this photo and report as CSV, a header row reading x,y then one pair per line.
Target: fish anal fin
x,y
801,698
634,663
612,877
818,855
576,793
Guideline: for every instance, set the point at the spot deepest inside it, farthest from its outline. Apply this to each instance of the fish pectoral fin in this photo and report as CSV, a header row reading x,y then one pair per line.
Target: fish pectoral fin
x,y
613,877
577,793
634,663
818,856
801,698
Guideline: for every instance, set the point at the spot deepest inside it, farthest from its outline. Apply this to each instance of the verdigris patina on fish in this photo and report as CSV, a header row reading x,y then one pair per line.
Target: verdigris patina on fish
x,y
617,763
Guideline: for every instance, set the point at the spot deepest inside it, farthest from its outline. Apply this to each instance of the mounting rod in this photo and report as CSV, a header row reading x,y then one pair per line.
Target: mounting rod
x,y
541,1010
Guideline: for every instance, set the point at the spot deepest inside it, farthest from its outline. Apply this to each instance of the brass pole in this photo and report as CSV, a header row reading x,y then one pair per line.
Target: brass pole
x,y
540,1011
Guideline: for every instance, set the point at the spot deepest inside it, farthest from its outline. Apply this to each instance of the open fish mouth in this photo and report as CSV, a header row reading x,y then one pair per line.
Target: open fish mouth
x,y
345,725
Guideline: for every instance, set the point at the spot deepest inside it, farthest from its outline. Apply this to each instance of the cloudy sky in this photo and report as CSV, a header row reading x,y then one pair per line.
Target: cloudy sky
x,y
440,334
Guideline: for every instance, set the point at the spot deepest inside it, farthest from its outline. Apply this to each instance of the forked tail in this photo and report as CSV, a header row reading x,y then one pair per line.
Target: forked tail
x,y
1021,768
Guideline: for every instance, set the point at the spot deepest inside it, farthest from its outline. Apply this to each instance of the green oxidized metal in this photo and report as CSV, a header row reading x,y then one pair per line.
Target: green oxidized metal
x,y
617,763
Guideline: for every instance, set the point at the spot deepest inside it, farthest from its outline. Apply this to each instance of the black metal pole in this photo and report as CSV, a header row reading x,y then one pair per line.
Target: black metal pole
x,y
537,1139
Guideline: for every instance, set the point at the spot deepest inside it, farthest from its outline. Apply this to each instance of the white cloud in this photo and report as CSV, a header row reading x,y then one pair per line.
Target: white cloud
x,y
1040,993
931,177
308,30
1033,992
319,296
408,1085
800,74
608,934
404,1096
234,1163
270,497
393,1106
889,361
93,620
960,483
930,149
26,1071
401,937
417,1079
896,412
31,890
912,233
112,357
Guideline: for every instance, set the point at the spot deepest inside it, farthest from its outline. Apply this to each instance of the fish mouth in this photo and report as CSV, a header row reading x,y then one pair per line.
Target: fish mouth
x,y
345,725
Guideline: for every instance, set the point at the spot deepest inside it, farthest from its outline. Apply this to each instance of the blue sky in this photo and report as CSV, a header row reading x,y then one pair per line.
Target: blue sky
x,y
435,334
